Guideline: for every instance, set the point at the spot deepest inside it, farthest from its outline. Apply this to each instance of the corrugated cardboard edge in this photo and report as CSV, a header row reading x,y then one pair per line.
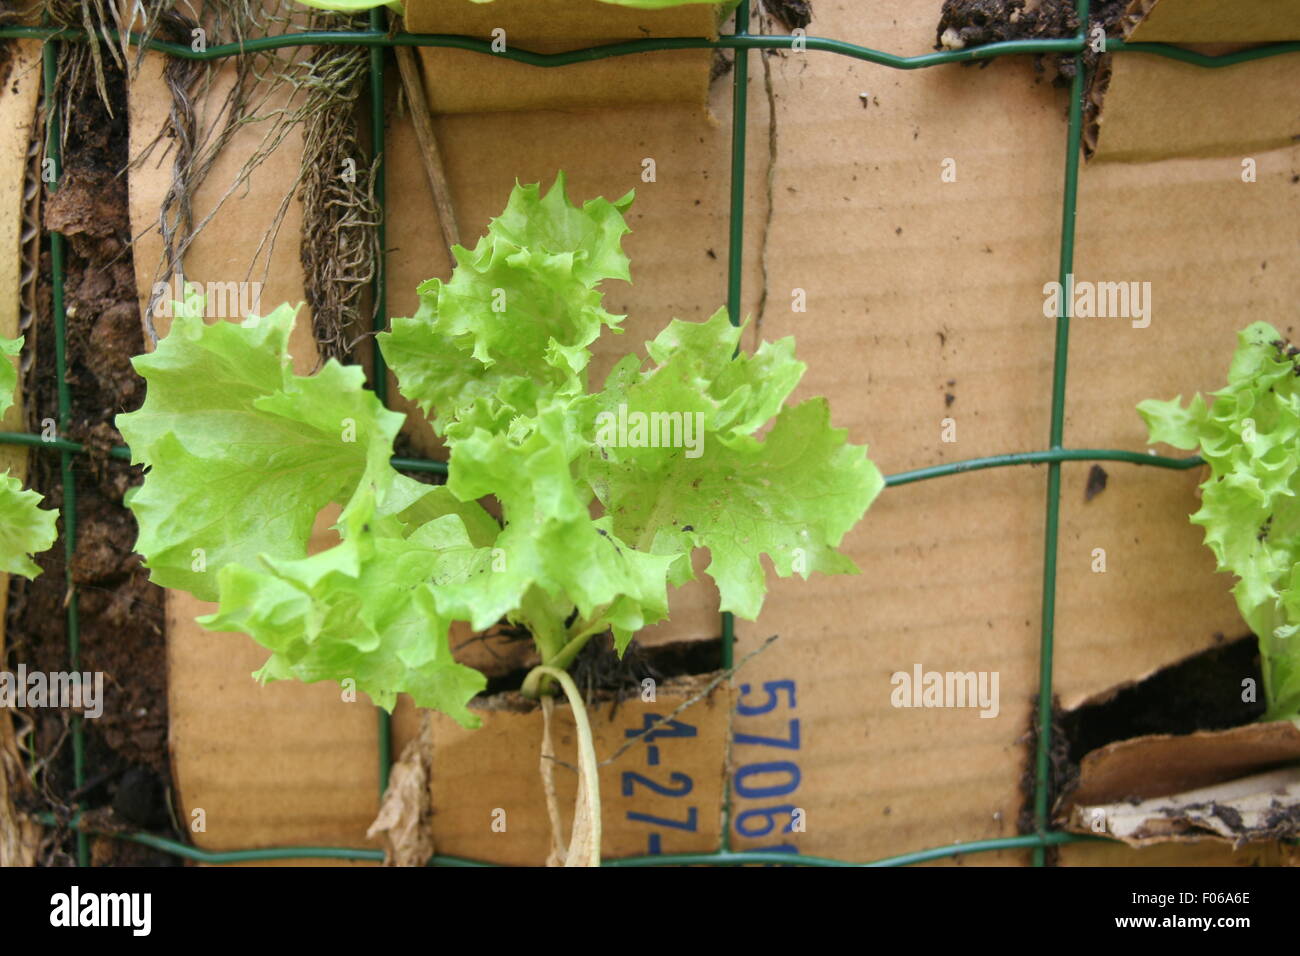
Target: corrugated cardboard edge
x,y
1145,108
461,81
19,835
487,793
1158,767
1261,808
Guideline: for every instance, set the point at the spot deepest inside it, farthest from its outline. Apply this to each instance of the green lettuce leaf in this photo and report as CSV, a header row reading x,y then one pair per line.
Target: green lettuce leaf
x,y
1250,437
363,610
9,349
25,528
551,541
699,477
240,453
514,323
354,6
359,6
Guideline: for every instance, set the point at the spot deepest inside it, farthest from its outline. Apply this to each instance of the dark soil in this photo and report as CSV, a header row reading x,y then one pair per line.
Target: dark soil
x,y
1061,774
600,673
1202,692
791,14
977,22
127,771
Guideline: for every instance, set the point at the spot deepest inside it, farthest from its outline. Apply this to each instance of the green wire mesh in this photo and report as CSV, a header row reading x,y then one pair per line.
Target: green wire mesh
x,y
377,38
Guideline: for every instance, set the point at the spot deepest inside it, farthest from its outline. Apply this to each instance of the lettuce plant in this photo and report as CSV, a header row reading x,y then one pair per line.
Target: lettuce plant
x,y
1249,435
359,6
25,528
598,516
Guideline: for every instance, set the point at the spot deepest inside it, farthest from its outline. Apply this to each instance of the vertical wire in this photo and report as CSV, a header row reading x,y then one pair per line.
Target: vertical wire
x,y
378,367
53,152
735,258
1042,776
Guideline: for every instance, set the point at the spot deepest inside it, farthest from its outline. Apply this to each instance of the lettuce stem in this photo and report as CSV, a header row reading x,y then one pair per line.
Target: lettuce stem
x,y
586,744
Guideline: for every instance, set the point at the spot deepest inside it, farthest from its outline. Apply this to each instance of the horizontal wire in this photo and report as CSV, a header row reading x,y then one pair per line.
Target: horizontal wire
x,y
198,855
741,41
900,478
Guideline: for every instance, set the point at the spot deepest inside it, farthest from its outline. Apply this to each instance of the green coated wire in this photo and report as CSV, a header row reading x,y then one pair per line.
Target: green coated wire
x,y
1060,364
961,466
1053,455
381,38
735,261
1201,59
724,858
378,366
53,151
741,41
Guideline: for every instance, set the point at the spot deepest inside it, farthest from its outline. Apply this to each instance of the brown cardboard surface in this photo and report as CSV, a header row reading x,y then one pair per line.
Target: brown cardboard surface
x,y
490,775
912,283
1212,21
19,88
460,81
548,25
1155,108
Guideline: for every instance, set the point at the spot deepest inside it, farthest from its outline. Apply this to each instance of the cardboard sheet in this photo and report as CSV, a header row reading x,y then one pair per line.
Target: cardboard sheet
x,y
918,288
1212,21
1154,107
460,81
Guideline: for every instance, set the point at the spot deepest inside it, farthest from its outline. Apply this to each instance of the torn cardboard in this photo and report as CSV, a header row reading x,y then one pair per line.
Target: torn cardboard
x,y
1158,765
1260,808
461,81
1149,107
1164,788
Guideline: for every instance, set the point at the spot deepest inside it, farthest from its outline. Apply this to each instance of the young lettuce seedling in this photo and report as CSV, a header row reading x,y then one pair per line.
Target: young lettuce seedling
x,y
604,494
1250,437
